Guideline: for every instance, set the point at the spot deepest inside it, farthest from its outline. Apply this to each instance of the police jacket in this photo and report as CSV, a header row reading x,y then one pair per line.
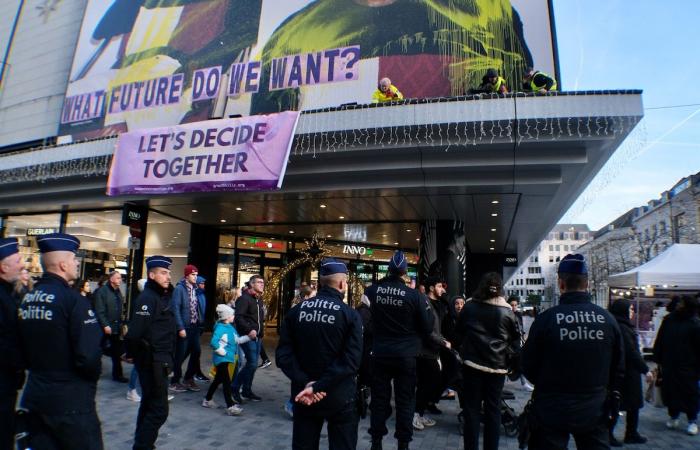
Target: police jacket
x,y
321,341
250,314
152,330
489,335
400,318
431,342
60,341
108,307
573,355
11,374
181,305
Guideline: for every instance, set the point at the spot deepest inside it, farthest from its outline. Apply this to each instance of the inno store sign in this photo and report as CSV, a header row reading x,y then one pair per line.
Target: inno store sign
x,y
356,250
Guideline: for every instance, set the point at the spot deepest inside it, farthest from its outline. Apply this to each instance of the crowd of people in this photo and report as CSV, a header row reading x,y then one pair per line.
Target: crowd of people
x,y
417,344
491,83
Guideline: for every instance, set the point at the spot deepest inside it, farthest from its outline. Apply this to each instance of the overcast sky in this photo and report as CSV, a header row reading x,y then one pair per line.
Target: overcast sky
x,y
642,44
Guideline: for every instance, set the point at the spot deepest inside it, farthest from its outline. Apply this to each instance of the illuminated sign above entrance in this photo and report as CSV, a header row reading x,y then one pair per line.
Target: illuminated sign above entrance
x,y
357,250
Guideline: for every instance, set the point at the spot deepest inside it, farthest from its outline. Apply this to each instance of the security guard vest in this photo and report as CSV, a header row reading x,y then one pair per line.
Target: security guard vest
x,y
535,88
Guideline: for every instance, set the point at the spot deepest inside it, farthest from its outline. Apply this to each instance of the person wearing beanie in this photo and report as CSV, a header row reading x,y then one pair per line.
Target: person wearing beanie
x,y
492,83
11,371
574,356
189,315
224,343
60,341
401,318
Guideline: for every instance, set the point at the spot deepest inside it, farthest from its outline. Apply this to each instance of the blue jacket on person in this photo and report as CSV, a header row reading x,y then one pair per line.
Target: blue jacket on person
x,y
181,306
224,337
202,299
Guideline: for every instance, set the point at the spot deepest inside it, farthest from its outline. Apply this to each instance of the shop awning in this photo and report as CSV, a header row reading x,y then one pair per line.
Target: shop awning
x,y
677,267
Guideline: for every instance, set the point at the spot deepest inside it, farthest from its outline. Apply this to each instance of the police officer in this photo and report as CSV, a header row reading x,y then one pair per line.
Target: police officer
x,y
320,350
11,373
400,317
574,357
151,340
60,341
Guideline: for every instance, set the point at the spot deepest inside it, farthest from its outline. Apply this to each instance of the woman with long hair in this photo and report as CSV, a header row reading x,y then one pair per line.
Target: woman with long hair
x,y
677,351
635,367
489,336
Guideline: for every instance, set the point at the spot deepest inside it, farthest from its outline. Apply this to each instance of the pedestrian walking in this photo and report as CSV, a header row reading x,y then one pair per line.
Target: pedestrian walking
x,y
189,315
401,318
250,316
60,341
490,338
575,358
635,367
11,366
677,351
151,341
108,307
320,350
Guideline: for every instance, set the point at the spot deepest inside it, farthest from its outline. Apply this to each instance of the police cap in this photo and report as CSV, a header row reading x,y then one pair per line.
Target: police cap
x,y
331,266
574,264
8,247
158,261
58,242
398,263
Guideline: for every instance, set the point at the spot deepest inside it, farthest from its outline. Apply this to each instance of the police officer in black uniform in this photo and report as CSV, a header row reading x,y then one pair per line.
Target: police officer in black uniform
x,y
320,350
401,318
60,341
11,373
574,357
151,340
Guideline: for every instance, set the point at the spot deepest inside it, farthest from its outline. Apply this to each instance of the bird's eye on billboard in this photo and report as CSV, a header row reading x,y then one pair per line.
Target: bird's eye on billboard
x,y
152,63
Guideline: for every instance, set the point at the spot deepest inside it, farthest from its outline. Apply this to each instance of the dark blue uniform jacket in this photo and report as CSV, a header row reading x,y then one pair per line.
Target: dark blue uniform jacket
x,y
401,318
10,361
60,341
321,341
573,355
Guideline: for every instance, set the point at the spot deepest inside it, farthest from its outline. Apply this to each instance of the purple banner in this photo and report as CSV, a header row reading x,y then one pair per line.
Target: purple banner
x,y
243,154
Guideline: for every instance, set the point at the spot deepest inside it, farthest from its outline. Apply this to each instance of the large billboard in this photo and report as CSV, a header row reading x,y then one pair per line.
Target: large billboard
x,y
153,63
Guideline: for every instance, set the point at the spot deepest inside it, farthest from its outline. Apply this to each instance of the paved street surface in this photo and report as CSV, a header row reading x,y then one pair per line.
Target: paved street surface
x,y
265,426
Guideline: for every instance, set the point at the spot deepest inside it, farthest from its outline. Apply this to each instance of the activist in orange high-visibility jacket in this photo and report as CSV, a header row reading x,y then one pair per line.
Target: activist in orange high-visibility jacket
x,y
386,92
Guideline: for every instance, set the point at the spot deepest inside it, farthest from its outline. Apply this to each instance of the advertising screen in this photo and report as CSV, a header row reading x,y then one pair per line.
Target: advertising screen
x,y
153,63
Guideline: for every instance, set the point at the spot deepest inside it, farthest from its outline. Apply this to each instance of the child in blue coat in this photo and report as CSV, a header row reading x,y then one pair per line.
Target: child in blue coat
x,y
224,341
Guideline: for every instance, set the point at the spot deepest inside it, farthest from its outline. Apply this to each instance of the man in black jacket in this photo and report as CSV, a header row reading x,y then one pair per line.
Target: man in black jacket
x,y
151,340
401,318
574,356
108,307
11,373
250,316
320,350
60,341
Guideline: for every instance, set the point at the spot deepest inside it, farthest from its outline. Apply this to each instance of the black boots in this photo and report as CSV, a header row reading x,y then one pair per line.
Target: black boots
x,y
635,438
376,444
403,446
614,442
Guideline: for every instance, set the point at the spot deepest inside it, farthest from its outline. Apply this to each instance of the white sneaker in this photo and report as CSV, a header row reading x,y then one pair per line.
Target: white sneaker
x,y
170,397
528,387
692,429
133,395
672,424
235,410
209,403
417,422
427,421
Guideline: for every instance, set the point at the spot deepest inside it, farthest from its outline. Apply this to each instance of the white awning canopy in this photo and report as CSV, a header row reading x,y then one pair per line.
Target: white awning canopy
x,y
677,266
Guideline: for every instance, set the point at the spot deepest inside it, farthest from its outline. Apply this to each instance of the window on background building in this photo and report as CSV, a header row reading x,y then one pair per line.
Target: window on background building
x,y
551,248
566,248
551,258
662,227
557,259
557,247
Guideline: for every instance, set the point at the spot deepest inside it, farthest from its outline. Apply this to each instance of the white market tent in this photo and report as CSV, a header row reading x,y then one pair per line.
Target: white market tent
x,y
678,267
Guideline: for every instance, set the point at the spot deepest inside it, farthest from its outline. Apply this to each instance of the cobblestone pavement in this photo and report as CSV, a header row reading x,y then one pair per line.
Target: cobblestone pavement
x,y
265,426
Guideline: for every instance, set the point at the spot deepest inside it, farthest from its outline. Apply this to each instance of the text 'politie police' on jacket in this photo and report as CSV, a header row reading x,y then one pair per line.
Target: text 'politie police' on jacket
x,y
389,295
580,330
316,315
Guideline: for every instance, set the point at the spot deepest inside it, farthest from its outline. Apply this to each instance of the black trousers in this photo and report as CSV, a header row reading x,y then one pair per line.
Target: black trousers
x,y
403,372
8,400
342,429
428,383
487,388
222,377
632,421
546,438
187,346
116,350
65,432
153,411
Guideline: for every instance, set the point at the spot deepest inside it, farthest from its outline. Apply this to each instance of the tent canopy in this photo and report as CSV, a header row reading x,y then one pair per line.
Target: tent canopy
x,y
677,266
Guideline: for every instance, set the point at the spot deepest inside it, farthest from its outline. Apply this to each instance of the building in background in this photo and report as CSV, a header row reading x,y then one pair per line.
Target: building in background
x,y
536,280
641,233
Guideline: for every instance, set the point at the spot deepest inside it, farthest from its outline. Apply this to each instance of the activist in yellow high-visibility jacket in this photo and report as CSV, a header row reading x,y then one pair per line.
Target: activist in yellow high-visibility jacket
x,y
386,92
